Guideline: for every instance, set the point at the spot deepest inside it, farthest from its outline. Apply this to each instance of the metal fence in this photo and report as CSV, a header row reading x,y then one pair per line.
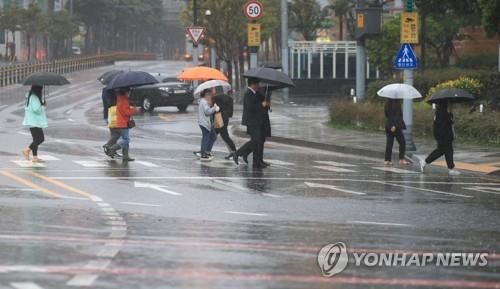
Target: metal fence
x,y
15,73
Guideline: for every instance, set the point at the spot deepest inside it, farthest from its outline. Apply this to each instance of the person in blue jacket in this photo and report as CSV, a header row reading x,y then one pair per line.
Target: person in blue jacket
x,y
36,120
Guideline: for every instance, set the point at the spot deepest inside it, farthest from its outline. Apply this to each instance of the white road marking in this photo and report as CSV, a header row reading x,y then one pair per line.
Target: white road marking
x,y
334,188
3,106
17,190
108,209
48,158
379,223
395,170
335,164
116,223
24,133
425,190
91,164
118,234
28,164
271,195
155,187
147,164
140,204
71,120
109,251
64,141
334,169
230,184
246,213
102,204
279,163
82,280
74,198
487,190
25,285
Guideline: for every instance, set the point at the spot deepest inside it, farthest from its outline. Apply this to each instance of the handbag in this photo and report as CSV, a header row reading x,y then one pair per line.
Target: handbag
x,y
218,120
131,123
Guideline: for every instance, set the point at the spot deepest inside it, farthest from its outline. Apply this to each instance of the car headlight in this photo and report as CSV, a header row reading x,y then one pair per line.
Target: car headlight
x,y
166,89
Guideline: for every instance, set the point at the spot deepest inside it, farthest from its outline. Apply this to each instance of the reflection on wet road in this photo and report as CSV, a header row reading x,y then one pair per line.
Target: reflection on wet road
x,y
171,221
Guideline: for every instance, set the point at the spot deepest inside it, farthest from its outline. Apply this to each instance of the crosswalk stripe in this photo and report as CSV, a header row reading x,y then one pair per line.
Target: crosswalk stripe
x,y
335,164
335,169
25,285
48,158
147,164
394,170
279,163
333,188
91,164
28,164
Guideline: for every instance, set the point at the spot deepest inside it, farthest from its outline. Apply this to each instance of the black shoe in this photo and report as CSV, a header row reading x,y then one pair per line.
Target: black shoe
x,y
245,159
235,159
229,156
258,167
106,149
265,164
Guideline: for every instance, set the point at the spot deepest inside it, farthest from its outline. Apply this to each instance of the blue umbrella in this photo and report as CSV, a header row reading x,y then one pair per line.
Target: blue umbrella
x,y
131,79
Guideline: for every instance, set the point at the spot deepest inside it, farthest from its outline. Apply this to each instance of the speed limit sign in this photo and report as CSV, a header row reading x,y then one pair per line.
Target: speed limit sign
x,y
253,10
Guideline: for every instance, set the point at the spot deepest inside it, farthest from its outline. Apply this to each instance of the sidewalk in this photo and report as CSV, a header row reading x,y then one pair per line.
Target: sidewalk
x,y
306,126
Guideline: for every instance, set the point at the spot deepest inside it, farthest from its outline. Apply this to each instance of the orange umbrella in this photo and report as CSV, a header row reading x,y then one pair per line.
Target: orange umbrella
x,y
201,73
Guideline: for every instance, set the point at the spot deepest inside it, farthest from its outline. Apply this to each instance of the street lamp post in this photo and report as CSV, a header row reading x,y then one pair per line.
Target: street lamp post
x,y
284,43
195,23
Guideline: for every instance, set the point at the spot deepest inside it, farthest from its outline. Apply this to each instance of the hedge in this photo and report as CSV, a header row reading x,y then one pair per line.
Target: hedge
x,y
471,127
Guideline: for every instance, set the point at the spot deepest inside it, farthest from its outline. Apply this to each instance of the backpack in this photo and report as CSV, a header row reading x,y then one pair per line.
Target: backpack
x,y
112,116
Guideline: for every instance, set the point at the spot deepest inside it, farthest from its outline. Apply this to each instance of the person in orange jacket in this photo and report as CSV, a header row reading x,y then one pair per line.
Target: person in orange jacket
x,y
123,114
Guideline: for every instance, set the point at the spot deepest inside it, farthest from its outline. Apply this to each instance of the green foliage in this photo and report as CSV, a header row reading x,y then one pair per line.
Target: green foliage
x,y
475,127
306,17
490,16
382,49
479,61
469,84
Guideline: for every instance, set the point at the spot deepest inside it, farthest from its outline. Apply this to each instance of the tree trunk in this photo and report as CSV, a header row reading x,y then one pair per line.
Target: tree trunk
x,y
341,27
423,34
230,71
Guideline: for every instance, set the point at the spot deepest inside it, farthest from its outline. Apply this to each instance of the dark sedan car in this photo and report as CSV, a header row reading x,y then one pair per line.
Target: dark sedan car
x,y
169,92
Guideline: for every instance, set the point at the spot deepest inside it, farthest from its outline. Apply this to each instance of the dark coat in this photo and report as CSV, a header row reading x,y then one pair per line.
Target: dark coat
x,y
443,125
393,116
226,104
108,99
255,116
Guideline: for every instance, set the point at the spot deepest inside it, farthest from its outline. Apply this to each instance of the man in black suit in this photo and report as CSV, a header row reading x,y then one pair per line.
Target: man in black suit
x,y
254,110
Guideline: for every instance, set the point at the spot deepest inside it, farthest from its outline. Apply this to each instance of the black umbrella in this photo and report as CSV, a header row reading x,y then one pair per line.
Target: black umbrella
x,y
131,79
270,76
45,78
451,95
106,77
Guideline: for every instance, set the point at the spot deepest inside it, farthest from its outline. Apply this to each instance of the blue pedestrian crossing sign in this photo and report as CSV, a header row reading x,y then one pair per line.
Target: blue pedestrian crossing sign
x,y
405,59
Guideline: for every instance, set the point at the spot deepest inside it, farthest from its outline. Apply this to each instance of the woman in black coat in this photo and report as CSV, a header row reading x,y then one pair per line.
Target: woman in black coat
x,y
394,126
226,104
444,135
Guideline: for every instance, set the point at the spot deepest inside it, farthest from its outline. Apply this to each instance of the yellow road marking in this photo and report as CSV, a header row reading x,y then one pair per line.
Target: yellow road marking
x,y
30,184
63,185
482,168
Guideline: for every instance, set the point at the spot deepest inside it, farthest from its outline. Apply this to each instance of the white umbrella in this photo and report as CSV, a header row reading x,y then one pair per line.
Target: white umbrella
x,y
211,84
399,91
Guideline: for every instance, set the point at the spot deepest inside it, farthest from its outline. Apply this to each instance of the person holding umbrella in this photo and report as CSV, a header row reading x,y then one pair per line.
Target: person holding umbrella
x,y
226,105
206,110
36,119
394,124
122,83
444,132
34,110
124,112
254,107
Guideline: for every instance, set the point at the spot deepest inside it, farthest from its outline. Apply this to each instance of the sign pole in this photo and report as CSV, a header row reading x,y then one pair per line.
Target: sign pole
x,y
253,10
284,44
409,32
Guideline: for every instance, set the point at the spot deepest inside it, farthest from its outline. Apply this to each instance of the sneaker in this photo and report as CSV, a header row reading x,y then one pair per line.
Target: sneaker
x,y
206,158
388,163
198,154
422,166
37,160
454,172
403,162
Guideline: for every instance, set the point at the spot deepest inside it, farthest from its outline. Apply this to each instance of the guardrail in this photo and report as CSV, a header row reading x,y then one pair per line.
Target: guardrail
x,y
15,73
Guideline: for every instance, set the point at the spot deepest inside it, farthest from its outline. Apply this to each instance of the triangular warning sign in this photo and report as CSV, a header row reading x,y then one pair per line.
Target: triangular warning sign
x,y
405,59
196,34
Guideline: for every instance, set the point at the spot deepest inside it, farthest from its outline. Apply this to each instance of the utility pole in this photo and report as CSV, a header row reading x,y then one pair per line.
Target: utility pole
x,y
195,24
284,44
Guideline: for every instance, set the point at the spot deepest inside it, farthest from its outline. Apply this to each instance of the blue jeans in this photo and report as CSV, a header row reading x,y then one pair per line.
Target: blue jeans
x,y
207,140
124,140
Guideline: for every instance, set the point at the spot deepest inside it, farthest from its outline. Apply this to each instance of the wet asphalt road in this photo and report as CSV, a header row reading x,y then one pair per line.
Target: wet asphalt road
x,y
170,221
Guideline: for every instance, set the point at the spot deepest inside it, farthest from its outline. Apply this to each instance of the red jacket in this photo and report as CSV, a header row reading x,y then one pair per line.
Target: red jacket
x,y
123,111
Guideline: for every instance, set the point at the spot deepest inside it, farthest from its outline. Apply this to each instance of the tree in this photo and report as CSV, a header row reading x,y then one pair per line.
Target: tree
x,y
382,49
61,27
490,16
342,9
33,23
306,17
10,20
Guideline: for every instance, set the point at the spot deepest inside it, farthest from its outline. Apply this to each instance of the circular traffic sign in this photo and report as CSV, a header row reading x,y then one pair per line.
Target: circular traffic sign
x,y
253,10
